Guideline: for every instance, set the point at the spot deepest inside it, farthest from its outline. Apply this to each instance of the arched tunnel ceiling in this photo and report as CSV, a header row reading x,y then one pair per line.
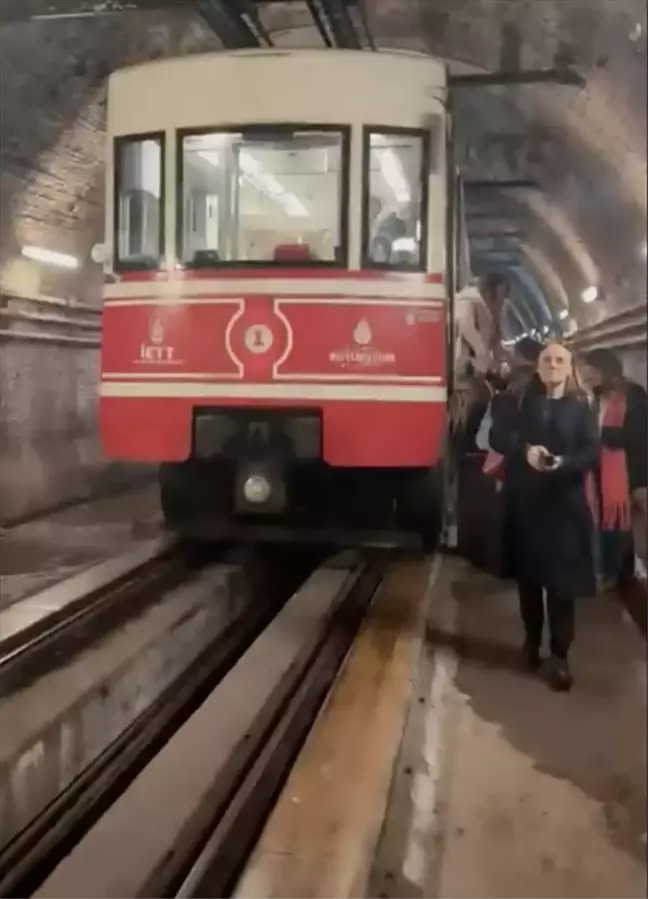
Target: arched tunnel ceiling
x,y
584,223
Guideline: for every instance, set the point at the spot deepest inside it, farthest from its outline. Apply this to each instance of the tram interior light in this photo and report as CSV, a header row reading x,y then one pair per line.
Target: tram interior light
x,y
392,172
263,181
590,294
50,257
210,156
404,245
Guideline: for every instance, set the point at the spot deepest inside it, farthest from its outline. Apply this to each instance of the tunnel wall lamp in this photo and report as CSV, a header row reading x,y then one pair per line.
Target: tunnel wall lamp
x,y
590,294
50,257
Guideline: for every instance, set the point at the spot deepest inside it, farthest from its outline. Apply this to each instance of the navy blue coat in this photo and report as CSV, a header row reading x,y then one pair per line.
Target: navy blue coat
x,y
548,525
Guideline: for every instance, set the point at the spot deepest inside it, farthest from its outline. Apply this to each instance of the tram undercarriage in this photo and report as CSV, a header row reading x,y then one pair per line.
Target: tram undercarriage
x,y
308,501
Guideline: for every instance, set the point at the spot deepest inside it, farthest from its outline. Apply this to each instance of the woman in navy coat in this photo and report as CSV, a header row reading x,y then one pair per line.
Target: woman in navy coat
x,y
548,436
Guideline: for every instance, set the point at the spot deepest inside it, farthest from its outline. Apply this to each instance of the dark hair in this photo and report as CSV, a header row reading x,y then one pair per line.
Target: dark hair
x,y
605,361
529,349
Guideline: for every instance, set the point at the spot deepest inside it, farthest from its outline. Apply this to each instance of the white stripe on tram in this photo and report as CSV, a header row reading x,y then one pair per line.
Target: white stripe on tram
x,y
363,393
289,287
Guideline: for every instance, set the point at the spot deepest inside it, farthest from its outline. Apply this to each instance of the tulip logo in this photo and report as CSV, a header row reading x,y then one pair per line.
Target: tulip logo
x,y
361,355
156,332
362,333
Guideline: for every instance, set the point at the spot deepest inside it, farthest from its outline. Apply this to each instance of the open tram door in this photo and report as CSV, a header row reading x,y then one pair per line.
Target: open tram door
x,y
458,274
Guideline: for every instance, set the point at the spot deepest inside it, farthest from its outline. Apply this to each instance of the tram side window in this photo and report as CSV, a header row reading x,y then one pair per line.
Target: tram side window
x,y
273,197
395,200
139,230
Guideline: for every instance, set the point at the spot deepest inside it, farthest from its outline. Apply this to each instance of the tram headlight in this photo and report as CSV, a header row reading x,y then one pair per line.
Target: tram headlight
x,y
257,489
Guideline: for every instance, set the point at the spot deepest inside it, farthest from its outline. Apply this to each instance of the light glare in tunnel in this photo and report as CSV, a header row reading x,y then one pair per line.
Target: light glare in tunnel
x,y
590,294
40,254
562,315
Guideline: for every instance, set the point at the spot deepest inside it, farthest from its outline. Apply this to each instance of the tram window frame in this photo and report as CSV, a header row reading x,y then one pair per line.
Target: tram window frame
x,y
149,263
256,130
387,131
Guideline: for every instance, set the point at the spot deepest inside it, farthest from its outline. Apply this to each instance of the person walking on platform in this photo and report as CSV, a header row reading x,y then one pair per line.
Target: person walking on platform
x,y
547,435
525,361
622,472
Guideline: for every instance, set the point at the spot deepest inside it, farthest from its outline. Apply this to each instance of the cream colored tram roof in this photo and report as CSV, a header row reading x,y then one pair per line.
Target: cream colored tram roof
x,y
435,65
396,89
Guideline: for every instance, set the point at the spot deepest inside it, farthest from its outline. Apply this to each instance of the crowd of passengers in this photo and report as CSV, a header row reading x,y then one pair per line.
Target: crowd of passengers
x,y
566,441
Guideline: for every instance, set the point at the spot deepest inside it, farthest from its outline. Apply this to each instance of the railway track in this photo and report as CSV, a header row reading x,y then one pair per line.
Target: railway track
x,y
55,638
184,799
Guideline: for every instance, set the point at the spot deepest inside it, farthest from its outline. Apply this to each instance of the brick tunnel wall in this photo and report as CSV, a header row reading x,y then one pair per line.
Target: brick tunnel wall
x,y
48,427
52,108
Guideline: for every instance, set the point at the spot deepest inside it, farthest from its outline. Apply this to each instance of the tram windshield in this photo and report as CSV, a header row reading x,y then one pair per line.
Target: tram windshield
x,y
263,196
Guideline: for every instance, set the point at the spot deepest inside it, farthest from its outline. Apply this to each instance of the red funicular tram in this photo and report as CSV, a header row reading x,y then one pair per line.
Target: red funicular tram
x,y
275,318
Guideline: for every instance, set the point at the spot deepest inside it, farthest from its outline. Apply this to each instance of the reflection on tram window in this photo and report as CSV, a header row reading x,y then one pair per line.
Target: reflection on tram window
x,y
138,216
395,207
271,197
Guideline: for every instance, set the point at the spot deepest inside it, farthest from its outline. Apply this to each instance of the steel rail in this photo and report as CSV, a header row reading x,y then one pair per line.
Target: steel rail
x,y
249,783
54,639
31,856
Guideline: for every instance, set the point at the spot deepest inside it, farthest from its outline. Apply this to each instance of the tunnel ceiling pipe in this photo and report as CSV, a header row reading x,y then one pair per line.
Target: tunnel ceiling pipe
x,y
235,22
493,238
486,253
530,283
565,76
525,305
499,215
28,10
363,23
491,248
533,303
484,233
333,20
501,184
511,309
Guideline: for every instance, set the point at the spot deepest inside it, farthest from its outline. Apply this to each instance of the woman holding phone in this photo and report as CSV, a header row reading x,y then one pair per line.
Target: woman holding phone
x,y
548,437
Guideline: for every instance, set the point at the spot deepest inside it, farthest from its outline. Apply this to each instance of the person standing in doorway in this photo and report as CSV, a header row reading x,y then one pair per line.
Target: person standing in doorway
x,y
621,406
547,435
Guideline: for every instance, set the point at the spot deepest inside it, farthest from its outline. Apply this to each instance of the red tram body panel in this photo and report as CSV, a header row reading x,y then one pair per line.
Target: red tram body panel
x,y
368,349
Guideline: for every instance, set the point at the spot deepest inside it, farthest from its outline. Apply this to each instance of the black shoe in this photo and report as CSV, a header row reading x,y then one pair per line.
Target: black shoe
x,y
559,676
531,660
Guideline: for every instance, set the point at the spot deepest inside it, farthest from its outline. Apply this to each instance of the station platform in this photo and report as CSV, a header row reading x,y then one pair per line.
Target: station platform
x,y
495,786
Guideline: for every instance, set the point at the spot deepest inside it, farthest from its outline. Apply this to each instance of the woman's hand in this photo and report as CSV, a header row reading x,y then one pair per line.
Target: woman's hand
x,y
541,459
535,455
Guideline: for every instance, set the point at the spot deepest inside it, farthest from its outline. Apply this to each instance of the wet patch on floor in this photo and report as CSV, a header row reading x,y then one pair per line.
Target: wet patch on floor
x,y
573,789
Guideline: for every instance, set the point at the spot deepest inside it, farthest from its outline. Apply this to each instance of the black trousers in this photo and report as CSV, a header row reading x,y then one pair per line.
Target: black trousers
x,y
560,611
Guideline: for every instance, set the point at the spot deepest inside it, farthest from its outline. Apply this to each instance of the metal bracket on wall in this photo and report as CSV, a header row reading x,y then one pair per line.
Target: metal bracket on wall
x,y
566,77
501,184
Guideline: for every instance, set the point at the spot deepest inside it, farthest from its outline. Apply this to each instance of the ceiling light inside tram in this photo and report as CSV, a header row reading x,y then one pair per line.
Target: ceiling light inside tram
x,y
263,181
392,172
404,245
590,294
